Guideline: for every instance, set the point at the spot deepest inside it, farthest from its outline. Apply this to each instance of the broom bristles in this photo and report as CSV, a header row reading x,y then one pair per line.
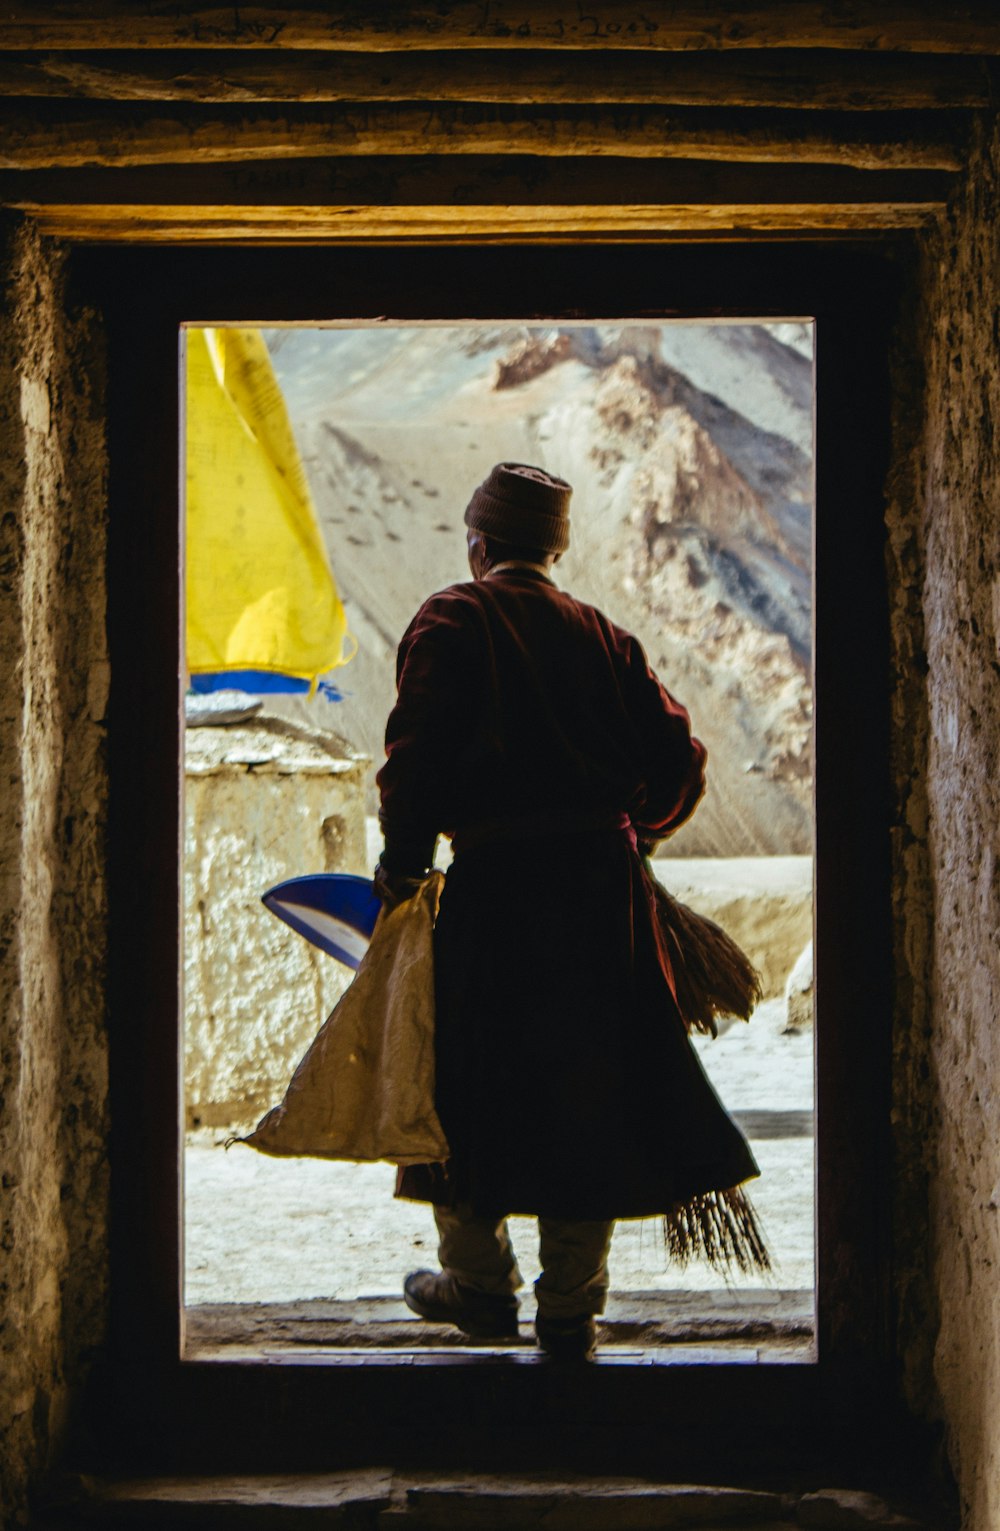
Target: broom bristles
x,y
720,1227
712,975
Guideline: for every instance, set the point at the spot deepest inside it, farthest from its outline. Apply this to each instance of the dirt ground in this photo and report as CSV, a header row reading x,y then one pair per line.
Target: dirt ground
x,y
261,1230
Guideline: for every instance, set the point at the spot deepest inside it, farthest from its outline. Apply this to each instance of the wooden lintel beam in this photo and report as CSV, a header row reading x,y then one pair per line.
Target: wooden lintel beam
x,y
909,25
114,134
438,181
806,81
489,225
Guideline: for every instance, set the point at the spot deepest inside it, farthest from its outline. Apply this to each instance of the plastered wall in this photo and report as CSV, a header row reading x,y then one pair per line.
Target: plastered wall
x,y
264,801
945,569
53,692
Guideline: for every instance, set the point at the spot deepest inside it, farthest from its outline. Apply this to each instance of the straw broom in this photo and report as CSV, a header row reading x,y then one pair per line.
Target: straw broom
x,y
713,977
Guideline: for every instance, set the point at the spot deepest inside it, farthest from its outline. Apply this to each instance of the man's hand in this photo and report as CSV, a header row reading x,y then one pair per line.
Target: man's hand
x,y
393,888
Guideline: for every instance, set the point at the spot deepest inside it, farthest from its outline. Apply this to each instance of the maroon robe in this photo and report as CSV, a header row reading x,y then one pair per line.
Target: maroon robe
x,y
531,729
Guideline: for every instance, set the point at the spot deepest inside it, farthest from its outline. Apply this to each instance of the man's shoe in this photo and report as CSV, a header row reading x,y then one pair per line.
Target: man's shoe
x,y
439,1297
567,1339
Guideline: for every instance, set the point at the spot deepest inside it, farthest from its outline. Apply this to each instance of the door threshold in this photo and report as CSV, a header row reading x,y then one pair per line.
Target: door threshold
x,y
639,1328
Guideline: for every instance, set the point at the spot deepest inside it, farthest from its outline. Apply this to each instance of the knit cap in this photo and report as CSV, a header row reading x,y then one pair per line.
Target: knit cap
x,y
522,505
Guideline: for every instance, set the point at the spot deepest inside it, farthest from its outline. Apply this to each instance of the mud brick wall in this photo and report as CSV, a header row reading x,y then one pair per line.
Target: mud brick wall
x,y
962,623
945,576
53,694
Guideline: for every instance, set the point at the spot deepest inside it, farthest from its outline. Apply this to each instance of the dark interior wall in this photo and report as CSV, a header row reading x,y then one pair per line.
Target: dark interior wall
x,y
53,695
945,562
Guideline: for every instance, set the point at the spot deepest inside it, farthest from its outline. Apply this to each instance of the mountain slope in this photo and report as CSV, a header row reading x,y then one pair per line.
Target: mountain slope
x,y
689,450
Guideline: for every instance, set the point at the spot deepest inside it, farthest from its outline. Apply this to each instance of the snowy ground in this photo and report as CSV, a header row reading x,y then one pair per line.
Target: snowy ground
x,y
264,1230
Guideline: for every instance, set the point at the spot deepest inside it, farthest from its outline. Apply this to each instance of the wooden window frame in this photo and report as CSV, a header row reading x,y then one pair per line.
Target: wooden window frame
x,y
713,1421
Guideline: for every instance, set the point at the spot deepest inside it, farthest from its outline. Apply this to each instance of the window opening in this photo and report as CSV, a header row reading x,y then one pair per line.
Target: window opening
x,y
689,446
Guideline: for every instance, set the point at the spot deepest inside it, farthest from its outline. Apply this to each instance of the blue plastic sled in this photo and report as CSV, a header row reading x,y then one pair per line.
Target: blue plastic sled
x,y
333,910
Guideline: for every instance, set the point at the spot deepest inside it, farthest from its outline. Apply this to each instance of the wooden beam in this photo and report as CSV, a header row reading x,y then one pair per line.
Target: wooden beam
x,y
910,25
44,135
806,81
440,180
148,224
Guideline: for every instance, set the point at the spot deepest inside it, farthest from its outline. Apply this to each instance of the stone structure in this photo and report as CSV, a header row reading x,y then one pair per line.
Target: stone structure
x,y
883,151
799,992
264,800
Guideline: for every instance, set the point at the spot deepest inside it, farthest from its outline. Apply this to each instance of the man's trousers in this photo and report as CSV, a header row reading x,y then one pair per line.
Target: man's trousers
x,y
574,1258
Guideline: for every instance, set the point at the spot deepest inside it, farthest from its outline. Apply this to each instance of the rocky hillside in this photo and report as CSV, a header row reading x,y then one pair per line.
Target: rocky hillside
x,y
689,449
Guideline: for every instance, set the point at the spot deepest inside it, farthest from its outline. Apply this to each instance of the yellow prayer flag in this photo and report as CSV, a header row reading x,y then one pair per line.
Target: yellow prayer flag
x,y
260,590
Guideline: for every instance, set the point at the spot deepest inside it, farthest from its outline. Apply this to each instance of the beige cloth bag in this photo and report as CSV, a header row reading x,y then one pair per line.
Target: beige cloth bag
x,y
365,1088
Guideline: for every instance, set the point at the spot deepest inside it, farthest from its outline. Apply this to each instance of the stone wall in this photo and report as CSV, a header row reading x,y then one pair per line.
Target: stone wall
x,y
945,552
53,695
264,800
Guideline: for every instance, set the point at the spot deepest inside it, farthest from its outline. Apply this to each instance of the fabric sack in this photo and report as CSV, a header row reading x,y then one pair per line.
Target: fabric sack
x,y
365,1088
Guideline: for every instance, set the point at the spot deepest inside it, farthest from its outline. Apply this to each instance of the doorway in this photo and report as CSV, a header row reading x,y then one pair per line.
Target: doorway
x,y
691,450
